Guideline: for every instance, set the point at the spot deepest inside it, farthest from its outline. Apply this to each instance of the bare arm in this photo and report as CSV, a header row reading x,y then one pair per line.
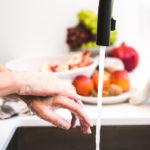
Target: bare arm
x,y
43,93
7,84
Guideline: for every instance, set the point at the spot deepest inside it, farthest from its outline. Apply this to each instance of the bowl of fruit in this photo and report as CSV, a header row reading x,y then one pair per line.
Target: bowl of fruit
x,y
116,84
66,67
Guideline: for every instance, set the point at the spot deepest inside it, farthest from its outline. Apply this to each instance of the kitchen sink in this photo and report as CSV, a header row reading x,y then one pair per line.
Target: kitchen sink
x,y
51,138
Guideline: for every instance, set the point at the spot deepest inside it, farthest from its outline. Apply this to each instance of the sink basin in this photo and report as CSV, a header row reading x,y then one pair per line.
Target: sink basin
x,y
51,138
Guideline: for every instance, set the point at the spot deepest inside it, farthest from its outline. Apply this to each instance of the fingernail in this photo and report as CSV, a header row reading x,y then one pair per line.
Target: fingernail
x,y
91,124
64,125
89,131
74,126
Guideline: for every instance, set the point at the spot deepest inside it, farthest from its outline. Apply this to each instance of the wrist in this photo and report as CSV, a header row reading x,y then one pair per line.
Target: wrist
x,y
21,86
16,82
7,84
13,82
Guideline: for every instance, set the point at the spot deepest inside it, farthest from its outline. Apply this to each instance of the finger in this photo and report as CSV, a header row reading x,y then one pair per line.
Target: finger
x,y
73,121
74,117
84,127
57,120
79,102
73,107
68,93
45,113
67,90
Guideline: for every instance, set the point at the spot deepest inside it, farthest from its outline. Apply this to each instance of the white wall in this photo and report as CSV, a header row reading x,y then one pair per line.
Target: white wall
x,y
38,27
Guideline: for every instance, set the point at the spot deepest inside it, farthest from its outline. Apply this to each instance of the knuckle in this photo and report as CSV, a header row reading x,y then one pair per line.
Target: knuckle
x,y
78,109
56,99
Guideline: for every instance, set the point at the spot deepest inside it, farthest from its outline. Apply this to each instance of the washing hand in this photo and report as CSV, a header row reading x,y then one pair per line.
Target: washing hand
x,y
43,92
45,108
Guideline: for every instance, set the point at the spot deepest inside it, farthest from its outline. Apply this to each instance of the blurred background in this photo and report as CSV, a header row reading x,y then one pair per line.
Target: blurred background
x,y
30,28
35,27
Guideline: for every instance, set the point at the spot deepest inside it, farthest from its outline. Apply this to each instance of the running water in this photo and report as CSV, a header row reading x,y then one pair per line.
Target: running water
x,y
100,88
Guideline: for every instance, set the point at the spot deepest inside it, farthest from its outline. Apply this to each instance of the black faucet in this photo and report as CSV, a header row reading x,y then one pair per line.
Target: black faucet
x,y
105,22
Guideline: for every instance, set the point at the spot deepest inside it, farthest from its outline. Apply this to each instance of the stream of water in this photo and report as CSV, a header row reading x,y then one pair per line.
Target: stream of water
x,y
100,88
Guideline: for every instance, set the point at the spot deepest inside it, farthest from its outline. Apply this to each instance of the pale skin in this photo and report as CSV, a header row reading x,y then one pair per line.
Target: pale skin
x,y
44,93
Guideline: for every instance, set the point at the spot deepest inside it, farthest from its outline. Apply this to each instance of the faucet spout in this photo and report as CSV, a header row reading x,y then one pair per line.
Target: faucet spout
x,y
105,22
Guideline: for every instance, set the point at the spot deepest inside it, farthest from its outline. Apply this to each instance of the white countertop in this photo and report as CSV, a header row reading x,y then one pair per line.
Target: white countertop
x,y
120,114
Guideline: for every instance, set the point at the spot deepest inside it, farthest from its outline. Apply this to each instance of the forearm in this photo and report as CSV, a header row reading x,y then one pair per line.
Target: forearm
x,y
7,83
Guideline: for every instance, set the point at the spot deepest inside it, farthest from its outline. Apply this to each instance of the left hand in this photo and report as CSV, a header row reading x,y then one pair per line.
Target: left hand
x,y
45,109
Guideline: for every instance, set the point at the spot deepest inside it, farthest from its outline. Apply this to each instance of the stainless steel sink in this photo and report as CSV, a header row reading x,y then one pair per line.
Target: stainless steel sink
x,y
50,138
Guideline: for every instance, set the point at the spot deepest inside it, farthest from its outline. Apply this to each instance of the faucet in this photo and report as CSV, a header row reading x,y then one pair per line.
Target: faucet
x,y
105,22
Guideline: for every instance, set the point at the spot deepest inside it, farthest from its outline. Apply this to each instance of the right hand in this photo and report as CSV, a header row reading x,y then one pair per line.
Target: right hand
x,y
42,84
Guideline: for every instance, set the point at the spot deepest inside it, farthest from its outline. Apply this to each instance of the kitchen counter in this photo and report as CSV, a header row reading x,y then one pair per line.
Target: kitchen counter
x,y
120,114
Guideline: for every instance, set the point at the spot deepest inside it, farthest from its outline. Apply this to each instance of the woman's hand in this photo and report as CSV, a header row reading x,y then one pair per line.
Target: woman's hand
x,y
45,109
42,84
35,89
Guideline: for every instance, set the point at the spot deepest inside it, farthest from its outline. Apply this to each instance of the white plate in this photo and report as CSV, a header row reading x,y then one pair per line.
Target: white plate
x,y
110,100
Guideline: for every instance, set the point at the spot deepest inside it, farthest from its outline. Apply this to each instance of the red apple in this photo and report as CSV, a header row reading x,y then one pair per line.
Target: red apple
x,y
128,55
121,78
83,85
